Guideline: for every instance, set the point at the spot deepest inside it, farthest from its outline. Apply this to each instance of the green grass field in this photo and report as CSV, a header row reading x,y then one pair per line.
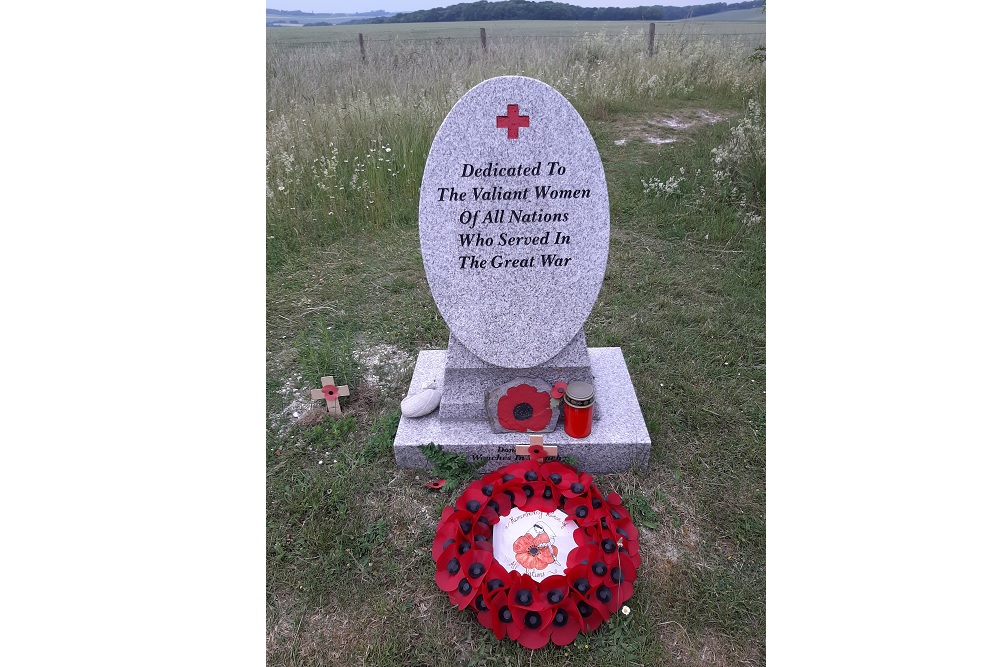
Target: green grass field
x,y
350,579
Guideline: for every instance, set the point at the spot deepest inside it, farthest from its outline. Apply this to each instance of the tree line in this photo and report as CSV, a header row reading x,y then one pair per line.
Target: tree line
x,y
511,10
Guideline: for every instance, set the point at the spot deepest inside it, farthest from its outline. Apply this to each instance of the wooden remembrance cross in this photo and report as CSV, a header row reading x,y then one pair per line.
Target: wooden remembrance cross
x,y
332,393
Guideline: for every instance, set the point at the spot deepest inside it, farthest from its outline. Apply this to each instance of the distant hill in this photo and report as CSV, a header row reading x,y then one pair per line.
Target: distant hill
x,y
735,15
298,13
526,10
279,18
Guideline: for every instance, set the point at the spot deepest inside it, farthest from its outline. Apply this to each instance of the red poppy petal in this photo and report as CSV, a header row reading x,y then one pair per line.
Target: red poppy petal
x,y
447,573
535,639
330,391
472,557
523,543
436,484
538,636
563,636
446,535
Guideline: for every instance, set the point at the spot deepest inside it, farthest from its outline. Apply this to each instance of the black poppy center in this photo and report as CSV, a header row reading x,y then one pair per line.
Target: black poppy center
x,y
599,568
472,505
464,587
453,566
604,594
555,596
477,570
531,476
524,597
556,478
481,603
493,584
532,619
523,411
561,618
616,575
505,615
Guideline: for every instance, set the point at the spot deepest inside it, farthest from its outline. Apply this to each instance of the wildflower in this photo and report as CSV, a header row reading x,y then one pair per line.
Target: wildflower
x,y
626,610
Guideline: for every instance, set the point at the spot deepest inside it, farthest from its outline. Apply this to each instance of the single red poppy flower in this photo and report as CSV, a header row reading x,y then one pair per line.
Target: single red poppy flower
x,y
581,509
475,562
501,617
436,484
537,452
449,568
566,624
523,408
330,391
558,390
447,535
524,591
535,624
542,497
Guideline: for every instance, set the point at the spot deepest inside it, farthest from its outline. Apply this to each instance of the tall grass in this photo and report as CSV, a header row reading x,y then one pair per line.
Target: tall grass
x,y
346,140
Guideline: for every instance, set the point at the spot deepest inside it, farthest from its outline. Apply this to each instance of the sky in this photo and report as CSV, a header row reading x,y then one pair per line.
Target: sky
x,y
333,7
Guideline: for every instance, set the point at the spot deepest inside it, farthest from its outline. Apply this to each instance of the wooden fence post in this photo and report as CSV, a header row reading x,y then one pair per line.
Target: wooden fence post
x,y
482,37
361,42
652,32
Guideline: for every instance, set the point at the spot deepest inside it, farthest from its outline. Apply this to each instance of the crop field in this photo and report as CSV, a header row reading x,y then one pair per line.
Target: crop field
x,y
751,31
350,578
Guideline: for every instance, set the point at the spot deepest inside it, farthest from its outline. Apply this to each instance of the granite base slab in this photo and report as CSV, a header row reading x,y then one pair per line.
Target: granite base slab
x,y
617,442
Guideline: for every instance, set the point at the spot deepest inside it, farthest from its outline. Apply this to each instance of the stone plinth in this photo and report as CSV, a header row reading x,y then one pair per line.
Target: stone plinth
x,y
617,442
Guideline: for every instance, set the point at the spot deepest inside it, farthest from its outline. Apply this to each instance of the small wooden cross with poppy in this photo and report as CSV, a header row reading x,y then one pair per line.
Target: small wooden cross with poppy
x,y
331,393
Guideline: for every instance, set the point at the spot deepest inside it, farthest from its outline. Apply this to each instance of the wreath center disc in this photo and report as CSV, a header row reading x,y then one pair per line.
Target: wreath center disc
x,y
535,543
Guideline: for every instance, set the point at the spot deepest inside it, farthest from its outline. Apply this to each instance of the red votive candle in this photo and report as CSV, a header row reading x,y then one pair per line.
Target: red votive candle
x,y
578,414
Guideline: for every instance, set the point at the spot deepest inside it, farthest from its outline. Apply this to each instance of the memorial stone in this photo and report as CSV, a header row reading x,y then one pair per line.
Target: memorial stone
x,y
514,234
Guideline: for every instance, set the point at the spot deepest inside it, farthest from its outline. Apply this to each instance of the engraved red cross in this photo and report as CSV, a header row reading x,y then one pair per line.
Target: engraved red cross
x,y
512,121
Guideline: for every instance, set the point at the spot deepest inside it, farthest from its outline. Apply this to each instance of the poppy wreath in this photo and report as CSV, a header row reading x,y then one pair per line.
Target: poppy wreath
x,y
600,569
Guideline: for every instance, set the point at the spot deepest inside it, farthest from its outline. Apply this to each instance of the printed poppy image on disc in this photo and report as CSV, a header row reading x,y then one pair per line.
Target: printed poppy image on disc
x,y
534,543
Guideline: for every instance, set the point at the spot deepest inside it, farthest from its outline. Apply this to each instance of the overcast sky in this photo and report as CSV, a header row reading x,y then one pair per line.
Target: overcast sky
x,y
333,6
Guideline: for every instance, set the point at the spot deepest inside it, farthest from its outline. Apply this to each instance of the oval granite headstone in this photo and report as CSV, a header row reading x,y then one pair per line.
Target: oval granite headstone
x,y
514,221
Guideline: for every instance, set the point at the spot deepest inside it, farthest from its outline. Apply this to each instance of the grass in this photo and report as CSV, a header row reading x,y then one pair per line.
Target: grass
x,y
349,572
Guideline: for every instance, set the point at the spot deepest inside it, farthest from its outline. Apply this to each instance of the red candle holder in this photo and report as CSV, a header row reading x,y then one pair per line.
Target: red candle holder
x,y
578,413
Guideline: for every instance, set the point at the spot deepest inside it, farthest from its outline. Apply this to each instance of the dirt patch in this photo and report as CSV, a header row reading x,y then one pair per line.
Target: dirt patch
x,y
299,403
383,364
659,128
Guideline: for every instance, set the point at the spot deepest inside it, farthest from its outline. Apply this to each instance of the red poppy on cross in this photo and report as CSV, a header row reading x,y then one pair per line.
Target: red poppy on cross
x,y
331,393
535,449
